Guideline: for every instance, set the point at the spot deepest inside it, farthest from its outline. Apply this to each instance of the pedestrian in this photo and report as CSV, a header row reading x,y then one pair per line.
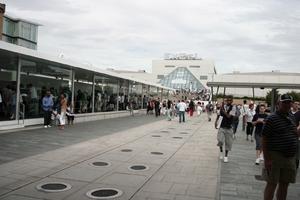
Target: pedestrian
x,y
157,107
63,110
47,104
70,114
169,110
244,110
279,142
296,112
209,109
181,109
258,121
249,117
236,120
199,108
225,133
191,108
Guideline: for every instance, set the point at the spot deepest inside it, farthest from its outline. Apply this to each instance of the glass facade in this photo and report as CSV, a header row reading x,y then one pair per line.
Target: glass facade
x,y
182,78
83,91
86,91
36,78
8,86
20,33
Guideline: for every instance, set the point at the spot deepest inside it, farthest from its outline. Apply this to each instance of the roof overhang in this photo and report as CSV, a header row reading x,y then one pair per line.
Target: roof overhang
x,y
254,85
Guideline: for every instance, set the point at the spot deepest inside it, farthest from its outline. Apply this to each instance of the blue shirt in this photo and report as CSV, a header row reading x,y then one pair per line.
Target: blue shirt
x,y
47,103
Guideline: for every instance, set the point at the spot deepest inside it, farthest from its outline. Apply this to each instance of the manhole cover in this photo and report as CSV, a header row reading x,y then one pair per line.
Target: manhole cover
x,y
139,167
157,153
104,193
126,150
164,131
53,187
100,164
156,136
177,137
259,177
184,133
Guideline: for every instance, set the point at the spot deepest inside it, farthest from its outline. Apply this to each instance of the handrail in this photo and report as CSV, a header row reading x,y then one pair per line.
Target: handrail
x,y
23,114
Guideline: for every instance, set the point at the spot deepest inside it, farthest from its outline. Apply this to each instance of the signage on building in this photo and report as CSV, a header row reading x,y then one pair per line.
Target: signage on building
x,y
181,56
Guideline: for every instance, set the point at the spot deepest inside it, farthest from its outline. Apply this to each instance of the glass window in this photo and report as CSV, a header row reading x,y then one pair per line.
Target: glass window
x,y
36,79
136,94
83,89
8,85
123,94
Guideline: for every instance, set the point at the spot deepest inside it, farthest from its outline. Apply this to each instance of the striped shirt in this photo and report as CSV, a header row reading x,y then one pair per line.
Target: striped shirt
x,y
280,133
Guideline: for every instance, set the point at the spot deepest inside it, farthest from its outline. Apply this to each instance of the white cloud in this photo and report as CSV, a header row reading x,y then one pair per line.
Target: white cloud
x,y
237,34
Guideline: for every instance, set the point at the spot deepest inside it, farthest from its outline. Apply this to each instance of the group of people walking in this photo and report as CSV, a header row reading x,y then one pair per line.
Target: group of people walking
x,y
56,111
276,135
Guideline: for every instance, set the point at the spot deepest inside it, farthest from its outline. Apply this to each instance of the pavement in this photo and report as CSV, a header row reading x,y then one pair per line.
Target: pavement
x,y
176,161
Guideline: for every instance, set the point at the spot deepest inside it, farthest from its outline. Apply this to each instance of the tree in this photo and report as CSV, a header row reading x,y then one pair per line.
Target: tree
x,y
269,97
295,95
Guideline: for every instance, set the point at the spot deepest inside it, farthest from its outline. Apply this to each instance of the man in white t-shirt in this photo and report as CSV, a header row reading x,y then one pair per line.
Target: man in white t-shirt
x,y
244,110
181,108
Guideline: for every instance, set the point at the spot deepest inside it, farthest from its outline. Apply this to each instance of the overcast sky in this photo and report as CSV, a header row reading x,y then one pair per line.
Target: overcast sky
x,y
238,35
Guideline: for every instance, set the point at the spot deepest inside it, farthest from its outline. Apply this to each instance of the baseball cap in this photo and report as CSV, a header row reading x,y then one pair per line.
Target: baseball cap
x,y
285,97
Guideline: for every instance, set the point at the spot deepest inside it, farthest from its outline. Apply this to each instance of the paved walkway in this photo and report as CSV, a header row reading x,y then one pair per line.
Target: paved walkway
x,y
180,160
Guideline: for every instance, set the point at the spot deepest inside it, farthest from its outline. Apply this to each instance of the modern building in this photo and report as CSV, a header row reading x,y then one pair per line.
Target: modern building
x,y
18,31
266,78
184,72
26,74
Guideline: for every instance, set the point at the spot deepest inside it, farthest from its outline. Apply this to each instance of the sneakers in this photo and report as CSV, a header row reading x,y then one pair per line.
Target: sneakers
x,y
221,157
45,126
261,157
257,161
49,126
225,159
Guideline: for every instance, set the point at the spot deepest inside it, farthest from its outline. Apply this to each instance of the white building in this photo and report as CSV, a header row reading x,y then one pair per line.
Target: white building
x,y
184,71
266,78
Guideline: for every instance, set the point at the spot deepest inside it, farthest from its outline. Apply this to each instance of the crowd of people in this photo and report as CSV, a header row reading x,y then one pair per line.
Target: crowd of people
x,y
276,136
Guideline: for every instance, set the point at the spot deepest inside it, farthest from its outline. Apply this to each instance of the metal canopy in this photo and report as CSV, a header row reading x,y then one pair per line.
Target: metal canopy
x,y
254,85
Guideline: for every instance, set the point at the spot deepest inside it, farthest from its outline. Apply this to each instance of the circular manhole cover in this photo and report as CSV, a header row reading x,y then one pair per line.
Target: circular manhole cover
x,y
53,187
104,193
126,150
164,131
177,137
138,167
184,133
157,153
156,136
100,164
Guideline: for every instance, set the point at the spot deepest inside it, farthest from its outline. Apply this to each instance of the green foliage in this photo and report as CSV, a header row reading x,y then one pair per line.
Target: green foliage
x,y
269,96
295,95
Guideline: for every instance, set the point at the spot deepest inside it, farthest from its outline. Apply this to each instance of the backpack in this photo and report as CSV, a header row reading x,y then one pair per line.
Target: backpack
x,y
211,107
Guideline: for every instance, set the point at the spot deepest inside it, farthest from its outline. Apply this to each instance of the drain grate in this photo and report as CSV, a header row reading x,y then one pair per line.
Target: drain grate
x,y
139,167
184,133
156,136
177,137
100,164
157,153
104,193
126,150
165,131
53,187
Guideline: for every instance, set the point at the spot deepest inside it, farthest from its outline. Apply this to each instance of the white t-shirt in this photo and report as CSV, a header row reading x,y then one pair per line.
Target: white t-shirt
x,y
181,106
250,114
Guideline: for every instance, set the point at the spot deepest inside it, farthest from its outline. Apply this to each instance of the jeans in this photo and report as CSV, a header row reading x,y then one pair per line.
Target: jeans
x,y
181,115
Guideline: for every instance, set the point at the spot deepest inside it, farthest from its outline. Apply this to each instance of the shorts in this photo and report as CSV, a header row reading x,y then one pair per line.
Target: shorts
x,y
225,135
258,142
283,169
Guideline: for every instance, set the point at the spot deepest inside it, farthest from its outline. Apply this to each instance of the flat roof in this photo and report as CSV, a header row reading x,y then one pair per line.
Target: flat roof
x,y
35,54
254,85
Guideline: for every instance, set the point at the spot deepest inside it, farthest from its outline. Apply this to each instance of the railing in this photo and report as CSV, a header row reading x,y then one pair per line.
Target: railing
x,y
23,114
